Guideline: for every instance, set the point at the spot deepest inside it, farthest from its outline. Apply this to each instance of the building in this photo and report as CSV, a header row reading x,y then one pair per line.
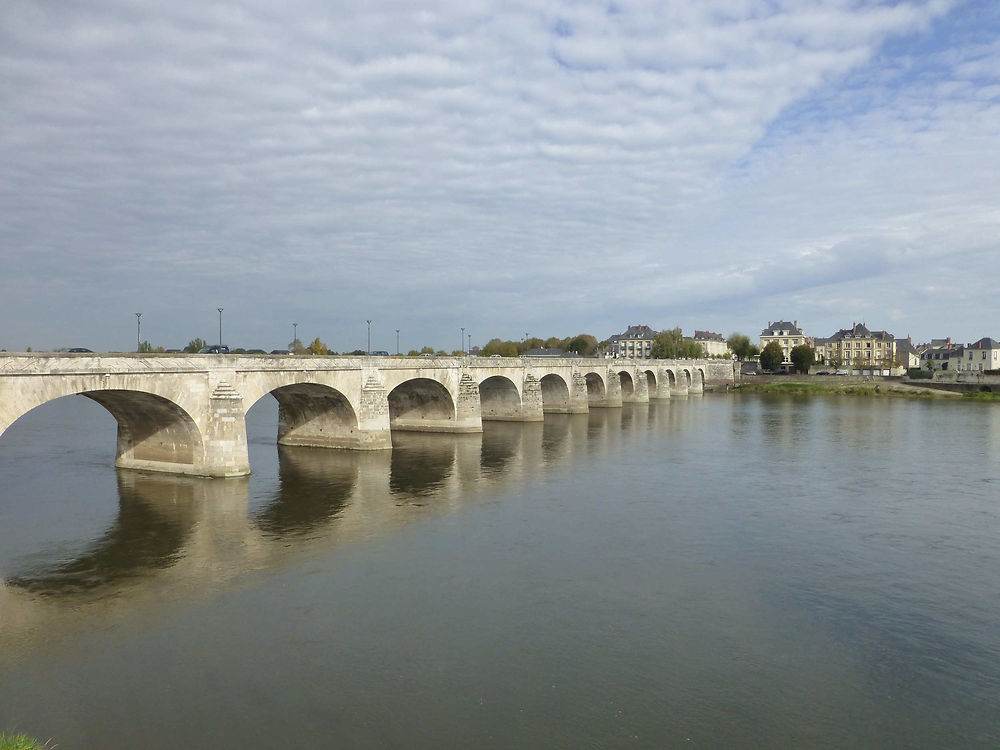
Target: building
x,y
636,342
857,348
979,357
936,354
713,343
788,335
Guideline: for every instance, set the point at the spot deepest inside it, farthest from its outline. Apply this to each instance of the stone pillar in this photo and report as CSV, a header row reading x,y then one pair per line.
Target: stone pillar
x,y
373,416
697,386
468,408
641,387
224,436
662,384
680,386
531,400
579,403
614,388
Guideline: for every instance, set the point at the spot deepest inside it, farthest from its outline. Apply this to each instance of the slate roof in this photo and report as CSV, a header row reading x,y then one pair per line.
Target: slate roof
x,y
860,331
984,343
707,336
774,329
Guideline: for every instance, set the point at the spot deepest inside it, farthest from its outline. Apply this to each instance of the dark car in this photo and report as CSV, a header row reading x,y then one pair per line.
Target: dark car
x,y
76,350
214,349
280,351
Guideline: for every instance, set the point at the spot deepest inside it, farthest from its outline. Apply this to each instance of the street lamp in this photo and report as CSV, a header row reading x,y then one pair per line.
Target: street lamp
x,y
470,343
369,336
461,344
138,346
220,326
295,338
397,342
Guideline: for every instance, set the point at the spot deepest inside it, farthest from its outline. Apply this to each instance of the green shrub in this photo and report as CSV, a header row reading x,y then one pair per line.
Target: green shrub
x,y
19,742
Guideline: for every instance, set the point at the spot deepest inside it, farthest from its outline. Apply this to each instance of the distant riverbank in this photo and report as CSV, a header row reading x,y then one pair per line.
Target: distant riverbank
x,y
893,388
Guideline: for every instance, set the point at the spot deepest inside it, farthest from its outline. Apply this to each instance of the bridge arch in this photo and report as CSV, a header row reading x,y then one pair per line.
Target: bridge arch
x,y
316,415
651,383
421,404
597,392
499,399
628,385
555,394
155,433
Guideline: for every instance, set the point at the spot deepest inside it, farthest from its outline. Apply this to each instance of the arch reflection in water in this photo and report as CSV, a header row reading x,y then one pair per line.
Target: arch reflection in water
x,y
156,514
315,486
501,442
422,463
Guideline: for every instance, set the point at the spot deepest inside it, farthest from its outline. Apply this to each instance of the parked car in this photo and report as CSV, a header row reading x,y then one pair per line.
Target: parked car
x,y
214,349
380,353
496,356
841,372
280,351
823,372
76,350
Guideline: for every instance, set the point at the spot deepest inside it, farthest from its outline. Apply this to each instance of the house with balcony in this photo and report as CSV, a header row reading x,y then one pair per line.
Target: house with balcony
x,y
636,342
859,349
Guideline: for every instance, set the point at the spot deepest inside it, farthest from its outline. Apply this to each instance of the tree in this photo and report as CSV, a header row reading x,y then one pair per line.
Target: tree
x,y
802,357
296,347
194,346
667,344
583,344
739,345
317,347
503,348
772,356
146,348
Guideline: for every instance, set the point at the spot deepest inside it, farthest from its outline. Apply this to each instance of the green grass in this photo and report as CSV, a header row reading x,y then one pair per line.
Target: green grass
x,y
981,396
20,742
850,389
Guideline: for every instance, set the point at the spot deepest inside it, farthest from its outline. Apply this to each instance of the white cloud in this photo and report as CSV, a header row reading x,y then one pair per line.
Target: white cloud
x,y
554,165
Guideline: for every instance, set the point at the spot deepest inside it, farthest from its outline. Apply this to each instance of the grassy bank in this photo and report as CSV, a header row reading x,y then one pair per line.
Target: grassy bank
x,y
854,389
21,742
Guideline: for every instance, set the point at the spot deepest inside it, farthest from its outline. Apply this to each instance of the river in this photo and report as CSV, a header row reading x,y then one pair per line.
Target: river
x,y
723,571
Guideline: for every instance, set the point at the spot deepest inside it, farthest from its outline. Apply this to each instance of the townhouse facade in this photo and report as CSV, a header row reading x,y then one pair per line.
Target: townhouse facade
x,y
636,342
857,348
787,335
713,343
980,356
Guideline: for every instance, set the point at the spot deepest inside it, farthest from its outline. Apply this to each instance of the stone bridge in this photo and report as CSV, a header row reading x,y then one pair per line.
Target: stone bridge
x,y
185,414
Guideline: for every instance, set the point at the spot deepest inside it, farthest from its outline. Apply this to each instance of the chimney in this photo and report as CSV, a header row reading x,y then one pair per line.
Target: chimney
x,y
795,323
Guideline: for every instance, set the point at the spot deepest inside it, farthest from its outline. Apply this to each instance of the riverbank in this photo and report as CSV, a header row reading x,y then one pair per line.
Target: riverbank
x,y
891,388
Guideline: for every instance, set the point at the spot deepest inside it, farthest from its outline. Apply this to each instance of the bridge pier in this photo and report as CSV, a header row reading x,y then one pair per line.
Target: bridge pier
x,y
641,388
224,438
662,385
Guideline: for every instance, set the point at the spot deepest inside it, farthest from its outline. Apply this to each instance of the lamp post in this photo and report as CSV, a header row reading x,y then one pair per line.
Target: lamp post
x,y
295,338
469,350
220,326
138,346
369,336
461,344
397,342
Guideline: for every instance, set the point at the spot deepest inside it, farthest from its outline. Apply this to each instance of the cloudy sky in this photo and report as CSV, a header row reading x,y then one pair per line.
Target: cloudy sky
x,y
512,166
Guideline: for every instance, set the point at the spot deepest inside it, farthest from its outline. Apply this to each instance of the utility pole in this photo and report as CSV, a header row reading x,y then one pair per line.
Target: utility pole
x,y
295,338
397,342
369,336
220,326
138,317
461,344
